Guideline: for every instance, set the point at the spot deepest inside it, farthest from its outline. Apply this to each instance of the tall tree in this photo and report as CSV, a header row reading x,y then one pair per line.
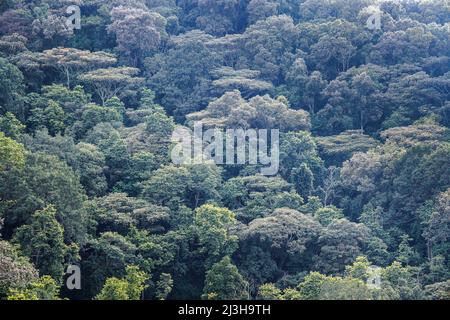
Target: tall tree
x,y
71,61
43,241
111,81
223,282
138,32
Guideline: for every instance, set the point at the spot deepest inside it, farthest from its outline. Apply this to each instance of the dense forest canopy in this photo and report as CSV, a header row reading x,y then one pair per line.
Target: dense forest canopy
x,y
358,89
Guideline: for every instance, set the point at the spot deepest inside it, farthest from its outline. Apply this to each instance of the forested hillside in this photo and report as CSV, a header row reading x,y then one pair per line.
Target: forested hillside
x,y
360,205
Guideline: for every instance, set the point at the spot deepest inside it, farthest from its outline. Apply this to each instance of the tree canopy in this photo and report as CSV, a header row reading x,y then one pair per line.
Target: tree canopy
x,y
357,93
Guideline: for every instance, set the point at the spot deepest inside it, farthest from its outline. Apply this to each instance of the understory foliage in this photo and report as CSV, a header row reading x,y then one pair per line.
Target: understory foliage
x,y
86,178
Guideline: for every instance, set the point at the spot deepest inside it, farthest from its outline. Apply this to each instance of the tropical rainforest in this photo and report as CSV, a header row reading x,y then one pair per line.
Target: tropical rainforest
x,y
360,206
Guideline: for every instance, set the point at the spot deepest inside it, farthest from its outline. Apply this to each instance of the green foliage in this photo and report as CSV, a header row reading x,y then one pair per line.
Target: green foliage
x,y
212,225
311,287
16,271
109,82
359,269
114,289
257,196
400,283
44,288
114,251
11,153
164,286
70,61
327,215
38,184
192,185
43,241
129,288
86,175
52,118
11,87
223,282
138,32
336,149
438,291
11,126
337,288
269,291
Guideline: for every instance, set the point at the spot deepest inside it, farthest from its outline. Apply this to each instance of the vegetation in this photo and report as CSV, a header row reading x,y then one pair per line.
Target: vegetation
x,y
360,206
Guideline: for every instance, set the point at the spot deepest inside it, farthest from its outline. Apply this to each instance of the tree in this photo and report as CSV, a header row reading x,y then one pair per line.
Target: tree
x,y
327,215
12,157
192,185
111,81
129,288
181,77
399,282
438,226
280,243
138,32
136,282
11,153
439,290
332,53
401,46
39,184
11,88
43,241
109,141
71,61
166,185
51,117
44,288
341,242
269,291
142,165
16,271
106,256
359,269
298,154
311,286
164,286
91,115
244,80
85,159
114,289
337,288
322,9
11,126
336,149
366,90
313,88
158,123
212,225
120,213
90,164
261,9
231,110
269,45
316,286
303,179
223,282
258,196
70,100
13,44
